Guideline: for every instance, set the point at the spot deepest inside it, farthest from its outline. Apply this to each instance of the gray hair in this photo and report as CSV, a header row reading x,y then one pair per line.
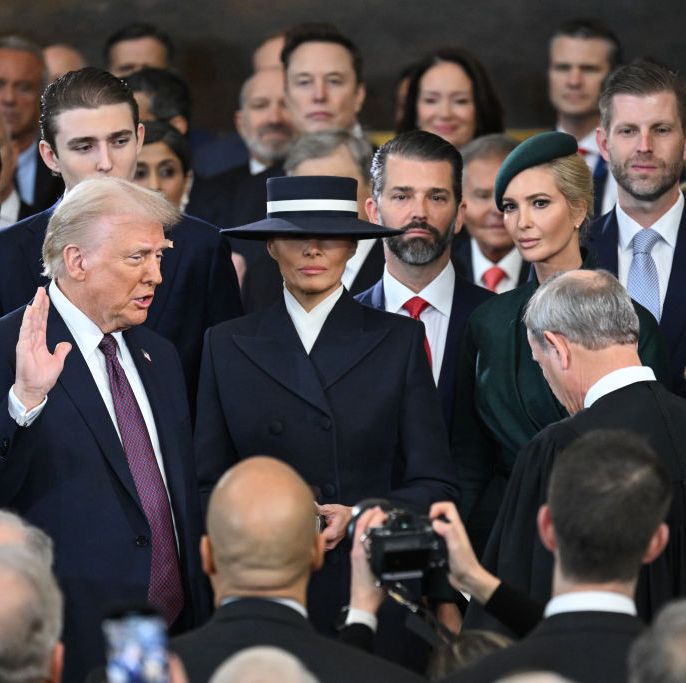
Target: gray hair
x,y
30,617
36,541
263,664
487,146
20,44
77,217
324,143
658,654
592,310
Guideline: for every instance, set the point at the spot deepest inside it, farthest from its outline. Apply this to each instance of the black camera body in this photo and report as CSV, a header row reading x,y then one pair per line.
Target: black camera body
x,y
405,547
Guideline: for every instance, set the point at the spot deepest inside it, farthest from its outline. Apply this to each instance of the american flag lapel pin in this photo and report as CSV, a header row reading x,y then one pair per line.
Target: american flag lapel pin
x,y
146,355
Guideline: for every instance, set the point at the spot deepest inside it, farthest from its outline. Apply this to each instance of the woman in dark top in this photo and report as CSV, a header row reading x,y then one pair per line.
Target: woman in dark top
x,y
545,191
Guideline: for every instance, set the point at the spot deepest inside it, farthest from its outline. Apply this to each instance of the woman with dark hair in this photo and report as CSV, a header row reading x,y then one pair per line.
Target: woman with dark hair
x,y
451,94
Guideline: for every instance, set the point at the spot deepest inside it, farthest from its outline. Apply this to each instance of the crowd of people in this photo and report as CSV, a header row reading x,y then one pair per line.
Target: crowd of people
x,y
230,366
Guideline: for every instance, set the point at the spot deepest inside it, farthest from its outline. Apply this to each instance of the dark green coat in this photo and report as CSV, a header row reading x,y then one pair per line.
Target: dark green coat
x,y
509,401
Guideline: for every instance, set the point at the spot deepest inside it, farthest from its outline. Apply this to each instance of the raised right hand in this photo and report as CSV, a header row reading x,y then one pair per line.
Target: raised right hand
x,y
37,368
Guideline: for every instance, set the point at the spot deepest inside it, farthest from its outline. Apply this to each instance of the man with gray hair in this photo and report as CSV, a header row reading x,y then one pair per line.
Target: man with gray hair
x,y
23,75
95,442
30,619
16,531
583,332
263,664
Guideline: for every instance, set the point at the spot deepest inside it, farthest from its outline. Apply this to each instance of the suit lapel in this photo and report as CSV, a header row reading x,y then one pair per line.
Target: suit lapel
x,y
343,341
603,241
674,309
79,385
32,247
371,269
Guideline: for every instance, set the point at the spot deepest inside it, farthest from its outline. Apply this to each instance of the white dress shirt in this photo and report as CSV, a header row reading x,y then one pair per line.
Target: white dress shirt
x,y
87,336
286,602
256,167
590,601
511,263
663,251
618,379
436,317
308,325
352,267
9,209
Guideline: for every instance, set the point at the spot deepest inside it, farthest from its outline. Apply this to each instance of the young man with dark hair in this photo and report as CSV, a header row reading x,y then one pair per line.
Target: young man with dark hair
x,y
136,46
642,135
90,127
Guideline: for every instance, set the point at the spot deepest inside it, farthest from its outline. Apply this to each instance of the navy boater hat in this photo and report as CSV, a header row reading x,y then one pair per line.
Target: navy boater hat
x,y
325,206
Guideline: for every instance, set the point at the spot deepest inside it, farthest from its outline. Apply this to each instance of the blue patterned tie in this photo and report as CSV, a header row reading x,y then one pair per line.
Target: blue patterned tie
x,y
643,283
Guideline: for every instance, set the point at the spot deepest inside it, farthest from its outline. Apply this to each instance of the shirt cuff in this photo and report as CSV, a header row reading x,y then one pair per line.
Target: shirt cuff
x,y
359,616
18,411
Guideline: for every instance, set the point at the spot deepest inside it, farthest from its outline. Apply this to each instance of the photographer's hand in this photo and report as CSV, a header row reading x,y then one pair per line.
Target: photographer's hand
x,y
364,593
465,573
337,518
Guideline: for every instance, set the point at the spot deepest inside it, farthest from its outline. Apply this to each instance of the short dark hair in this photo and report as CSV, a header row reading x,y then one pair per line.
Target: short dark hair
x,y
608,493
87,88
592,28
168,93
422,146
641,78
320,33
137,30
489,109
161,131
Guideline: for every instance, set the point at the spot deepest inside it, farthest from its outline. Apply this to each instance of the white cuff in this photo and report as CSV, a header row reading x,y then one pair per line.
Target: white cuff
x,y
359,616
17,410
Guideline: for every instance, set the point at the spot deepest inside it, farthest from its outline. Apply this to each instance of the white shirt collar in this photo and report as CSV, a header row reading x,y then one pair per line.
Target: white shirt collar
x,y
287,602
590,601
9,209
308,325
439,292
354,263
667,225
617,380
86,333
589,142
511,263
256,167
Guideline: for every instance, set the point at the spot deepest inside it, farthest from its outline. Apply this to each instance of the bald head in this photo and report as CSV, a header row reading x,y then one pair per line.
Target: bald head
x,y
261,523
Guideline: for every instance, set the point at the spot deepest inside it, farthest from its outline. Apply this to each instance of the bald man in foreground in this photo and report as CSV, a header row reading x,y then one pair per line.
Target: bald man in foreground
x,y
260,549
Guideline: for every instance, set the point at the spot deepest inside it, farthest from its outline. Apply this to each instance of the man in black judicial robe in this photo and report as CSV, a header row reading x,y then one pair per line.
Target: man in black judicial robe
x,y
591,364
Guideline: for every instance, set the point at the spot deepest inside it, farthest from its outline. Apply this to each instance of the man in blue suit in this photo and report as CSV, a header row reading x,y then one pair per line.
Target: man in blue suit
x,y
95,438
643,240
90,127
417,185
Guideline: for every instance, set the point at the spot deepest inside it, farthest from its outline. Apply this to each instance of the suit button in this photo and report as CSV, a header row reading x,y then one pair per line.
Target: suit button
x,y
325,423
329,490
275,427
142,541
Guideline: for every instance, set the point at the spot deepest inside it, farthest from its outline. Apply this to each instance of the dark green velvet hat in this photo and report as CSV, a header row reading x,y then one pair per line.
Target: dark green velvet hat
x,y
536,150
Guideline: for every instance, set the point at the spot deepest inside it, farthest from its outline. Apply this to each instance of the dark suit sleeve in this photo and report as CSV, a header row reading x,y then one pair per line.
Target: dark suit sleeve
x,y
213,446
223,296
651,345
515,609
427,467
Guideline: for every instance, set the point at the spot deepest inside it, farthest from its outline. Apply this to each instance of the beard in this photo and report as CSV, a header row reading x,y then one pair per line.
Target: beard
x,y
418,251
273,149
647,189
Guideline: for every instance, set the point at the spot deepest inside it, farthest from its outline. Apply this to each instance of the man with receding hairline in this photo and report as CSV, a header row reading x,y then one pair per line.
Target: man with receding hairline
x,y
261,547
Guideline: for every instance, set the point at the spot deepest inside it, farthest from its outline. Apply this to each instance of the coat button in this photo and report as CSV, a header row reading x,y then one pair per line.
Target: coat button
x,y
275,427
142,541
329,490
325,423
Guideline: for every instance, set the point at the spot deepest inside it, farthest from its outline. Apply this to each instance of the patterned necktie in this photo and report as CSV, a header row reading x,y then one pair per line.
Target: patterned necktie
x,y
492,277
643,283
165,590
414,307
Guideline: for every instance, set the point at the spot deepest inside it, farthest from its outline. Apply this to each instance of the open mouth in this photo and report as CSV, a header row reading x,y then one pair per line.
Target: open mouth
x,y
144,301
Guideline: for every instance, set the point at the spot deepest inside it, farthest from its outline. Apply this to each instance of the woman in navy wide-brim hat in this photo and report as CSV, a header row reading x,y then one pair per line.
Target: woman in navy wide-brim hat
x,y
342,392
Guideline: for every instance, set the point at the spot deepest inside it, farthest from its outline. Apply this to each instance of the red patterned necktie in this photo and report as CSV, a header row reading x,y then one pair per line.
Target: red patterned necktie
x,y
492,277
165,590
414,307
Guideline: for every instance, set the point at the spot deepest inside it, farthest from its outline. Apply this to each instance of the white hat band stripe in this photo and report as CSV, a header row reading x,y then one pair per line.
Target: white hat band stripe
x,y
312,205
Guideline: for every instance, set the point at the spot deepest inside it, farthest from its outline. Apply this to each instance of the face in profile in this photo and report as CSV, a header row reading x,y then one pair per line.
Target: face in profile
x,y
445,103
159,169
542,225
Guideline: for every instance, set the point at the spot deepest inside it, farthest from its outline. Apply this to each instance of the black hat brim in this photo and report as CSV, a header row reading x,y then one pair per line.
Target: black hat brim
x,y
324,226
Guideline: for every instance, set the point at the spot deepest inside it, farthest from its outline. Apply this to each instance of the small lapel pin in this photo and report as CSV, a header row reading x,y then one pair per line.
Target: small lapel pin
x,y
146,355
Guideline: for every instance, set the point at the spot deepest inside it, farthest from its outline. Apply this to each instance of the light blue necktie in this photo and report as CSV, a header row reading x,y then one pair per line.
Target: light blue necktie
x,y
643,283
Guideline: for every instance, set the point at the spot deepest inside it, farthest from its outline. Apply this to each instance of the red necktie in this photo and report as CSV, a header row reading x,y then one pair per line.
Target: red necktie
x,y
414,307
165,590
492,277
582,151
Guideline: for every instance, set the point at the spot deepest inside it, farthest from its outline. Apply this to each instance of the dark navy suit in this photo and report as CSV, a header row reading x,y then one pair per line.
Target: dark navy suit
x,y
358,417
466,297
199,286
603,240
67,473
